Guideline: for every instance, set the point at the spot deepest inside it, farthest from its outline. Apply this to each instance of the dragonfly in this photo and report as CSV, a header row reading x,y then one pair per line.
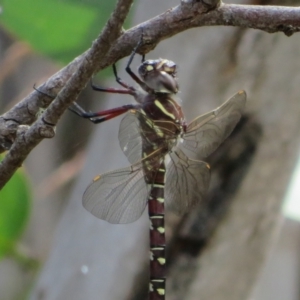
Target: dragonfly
x,y
165,153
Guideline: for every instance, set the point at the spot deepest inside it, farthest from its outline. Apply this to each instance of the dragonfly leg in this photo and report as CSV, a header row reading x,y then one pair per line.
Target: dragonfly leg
x,y
130,90
127,91
101,116
120,81
141,83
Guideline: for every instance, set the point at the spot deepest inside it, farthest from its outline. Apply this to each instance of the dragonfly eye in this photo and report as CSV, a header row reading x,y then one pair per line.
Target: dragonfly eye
x,y
160,65
169,67
146,67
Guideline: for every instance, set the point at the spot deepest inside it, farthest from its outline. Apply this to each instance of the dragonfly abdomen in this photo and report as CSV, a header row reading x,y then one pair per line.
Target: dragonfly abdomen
x,y
157,235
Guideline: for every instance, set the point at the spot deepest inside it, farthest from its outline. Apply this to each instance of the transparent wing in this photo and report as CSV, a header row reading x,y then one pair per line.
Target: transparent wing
x,y
130,137
207,132
119,196
138,133
187,181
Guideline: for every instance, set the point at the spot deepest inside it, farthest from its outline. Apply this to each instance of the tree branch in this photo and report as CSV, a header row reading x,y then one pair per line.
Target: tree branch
x,y
44,126
189,14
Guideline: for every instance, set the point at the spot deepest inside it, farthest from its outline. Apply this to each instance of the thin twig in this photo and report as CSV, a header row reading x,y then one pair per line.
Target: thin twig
x,y
44,126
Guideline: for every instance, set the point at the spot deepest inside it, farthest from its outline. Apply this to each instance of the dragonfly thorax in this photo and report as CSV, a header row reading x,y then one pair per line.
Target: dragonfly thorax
x,y
162,106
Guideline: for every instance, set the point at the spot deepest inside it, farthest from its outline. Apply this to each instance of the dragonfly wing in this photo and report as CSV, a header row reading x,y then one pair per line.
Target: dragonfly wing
x,y
187,181
207,132
118,197
130,137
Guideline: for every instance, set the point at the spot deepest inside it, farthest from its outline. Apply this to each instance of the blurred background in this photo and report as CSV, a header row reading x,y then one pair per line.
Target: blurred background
x,y
242,243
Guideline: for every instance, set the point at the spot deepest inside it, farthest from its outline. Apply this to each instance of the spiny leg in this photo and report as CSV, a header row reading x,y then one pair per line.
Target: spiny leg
x,y
120,81
130,90
141,83
127,91
101,116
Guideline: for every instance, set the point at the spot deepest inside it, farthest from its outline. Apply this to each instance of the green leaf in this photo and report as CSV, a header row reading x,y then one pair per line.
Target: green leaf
x,y
59,29
14,210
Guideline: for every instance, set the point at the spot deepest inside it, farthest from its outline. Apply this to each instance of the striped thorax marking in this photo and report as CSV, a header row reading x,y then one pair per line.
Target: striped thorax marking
x,y
161,107
153,126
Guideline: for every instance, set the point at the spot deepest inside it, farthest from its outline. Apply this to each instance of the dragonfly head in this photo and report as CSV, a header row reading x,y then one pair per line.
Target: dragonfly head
x,y
160,75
